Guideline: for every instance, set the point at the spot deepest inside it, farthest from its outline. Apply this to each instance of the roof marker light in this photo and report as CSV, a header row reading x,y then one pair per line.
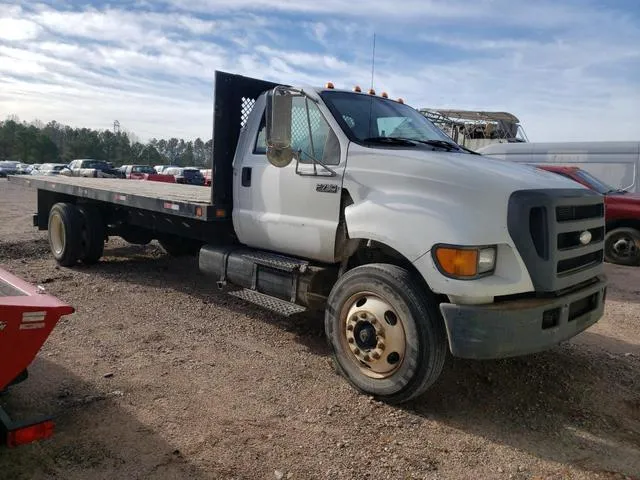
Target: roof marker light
x,y
357,89
330,85
400,100
384,95
372,91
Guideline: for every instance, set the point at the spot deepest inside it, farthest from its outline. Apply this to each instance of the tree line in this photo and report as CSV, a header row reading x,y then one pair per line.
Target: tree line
x,y
37,142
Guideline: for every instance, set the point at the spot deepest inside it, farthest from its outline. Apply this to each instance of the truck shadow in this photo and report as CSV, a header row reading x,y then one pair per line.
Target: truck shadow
x,y
576,405
150,267
95,435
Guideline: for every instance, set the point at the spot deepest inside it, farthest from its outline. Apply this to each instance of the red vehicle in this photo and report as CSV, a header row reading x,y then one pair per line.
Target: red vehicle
x,y
622,215
145,172
27,317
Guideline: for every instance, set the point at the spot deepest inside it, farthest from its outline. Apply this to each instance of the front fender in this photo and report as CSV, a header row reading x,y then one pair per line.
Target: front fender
x,y
411,225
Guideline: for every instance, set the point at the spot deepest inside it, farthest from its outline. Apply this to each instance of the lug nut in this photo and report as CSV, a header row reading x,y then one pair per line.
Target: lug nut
x,y
350,327
381,345
373,321
356,351
375,355
367,358
350,340
363,315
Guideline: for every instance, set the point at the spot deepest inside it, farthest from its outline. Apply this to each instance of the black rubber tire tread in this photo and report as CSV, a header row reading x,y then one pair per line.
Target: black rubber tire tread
x,y
179,247
633,233
72,223
93,234
426,350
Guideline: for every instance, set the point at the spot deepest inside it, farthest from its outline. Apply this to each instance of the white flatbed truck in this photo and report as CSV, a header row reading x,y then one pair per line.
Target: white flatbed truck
x,y
356,205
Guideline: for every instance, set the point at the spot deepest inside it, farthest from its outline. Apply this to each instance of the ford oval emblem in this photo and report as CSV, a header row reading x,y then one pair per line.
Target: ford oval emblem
x,y
585,237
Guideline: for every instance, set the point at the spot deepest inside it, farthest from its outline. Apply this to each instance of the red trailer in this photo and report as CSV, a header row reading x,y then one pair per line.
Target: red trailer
x,y
27,317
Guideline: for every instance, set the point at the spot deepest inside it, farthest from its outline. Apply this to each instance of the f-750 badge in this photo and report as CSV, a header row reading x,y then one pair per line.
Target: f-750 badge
x,y
327,187
3,325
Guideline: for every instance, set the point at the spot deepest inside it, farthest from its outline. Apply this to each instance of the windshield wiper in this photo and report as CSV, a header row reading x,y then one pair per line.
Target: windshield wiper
x,y
391,140
438,143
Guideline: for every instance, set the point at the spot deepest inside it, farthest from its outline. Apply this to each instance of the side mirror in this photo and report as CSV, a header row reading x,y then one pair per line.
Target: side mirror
x,y
278,127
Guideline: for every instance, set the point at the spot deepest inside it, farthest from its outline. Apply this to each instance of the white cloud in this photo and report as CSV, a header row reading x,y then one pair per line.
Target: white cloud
x,y
153,70
16,29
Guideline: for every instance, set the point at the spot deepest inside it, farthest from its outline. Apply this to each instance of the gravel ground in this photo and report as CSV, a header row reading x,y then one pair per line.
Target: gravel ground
x,y
158,376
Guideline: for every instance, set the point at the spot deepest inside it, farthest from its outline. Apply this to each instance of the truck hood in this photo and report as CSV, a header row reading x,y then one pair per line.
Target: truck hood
x,y
623,198
473,172
413,199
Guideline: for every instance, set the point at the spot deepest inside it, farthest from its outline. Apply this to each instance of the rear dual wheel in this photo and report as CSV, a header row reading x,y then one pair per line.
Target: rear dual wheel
x,y
385,332
76,233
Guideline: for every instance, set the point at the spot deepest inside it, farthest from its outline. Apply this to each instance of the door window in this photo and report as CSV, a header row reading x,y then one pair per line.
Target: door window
x,y
319,142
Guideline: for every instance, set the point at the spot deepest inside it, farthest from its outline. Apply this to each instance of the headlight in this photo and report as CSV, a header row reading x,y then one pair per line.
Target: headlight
x,y
465,263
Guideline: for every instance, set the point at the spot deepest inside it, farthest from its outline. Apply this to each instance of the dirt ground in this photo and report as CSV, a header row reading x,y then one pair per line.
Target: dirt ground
x,y
158,376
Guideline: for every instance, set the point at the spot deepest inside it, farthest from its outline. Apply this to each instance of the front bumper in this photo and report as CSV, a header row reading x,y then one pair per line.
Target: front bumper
x,y
520,327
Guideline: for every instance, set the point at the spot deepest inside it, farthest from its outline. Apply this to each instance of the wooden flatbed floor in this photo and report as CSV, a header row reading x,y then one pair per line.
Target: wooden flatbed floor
x,y
178,199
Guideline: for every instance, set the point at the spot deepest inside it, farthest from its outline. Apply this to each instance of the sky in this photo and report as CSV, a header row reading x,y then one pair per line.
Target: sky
x,y
569,70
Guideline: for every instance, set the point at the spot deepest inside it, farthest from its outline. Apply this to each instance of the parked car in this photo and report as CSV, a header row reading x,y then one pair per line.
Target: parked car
x,y
8,168
622,215
145,172
207,174
86,167
191,176
49,169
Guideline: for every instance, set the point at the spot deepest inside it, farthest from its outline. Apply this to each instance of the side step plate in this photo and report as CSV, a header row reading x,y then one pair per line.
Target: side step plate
x,y
281,307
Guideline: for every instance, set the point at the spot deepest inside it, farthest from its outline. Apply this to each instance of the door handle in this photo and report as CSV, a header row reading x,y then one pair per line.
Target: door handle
x,y
246,176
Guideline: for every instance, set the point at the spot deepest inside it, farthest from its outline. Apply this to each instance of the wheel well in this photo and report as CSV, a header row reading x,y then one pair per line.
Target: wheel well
x,y
354,252
624,223
370,251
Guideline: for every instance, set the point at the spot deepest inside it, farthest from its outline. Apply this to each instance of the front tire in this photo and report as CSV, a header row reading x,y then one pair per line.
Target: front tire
x,y
65,233
385,332
622,246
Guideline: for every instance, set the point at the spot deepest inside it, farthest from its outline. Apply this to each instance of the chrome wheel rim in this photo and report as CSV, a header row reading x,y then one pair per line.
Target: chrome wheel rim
x,y
373,335
57,234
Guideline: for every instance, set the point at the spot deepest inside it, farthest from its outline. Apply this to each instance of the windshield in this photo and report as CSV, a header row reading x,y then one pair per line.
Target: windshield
x,y
191,173
367,116
97,164
143,169
595,183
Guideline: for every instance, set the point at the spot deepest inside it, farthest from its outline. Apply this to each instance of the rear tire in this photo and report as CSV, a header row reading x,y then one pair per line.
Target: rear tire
x,y
622,246
93,234
385,332
65,233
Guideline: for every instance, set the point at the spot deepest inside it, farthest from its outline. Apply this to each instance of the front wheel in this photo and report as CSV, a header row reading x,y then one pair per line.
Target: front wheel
x,y
385,332
622,246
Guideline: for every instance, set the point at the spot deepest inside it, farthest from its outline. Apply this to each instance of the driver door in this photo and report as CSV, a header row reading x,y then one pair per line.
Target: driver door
x,y
292,210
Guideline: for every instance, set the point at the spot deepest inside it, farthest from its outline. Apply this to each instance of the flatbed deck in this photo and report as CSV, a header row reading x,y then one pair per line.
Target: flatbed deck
x,y
177,199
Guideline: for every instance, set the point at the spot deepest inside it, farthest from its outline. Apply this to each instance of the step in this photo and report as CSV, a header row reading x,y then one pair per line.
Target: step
x,y
279,262
274,304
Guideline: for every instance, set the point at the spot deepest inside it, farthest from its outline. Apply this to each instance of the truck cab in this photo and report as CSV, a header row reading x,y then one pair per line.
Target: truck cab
x,y
493,251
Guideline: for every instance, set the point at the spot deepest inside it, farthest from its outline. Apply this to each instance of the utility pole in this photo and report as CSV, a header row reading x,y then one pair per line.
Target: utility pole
x,y
116,127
